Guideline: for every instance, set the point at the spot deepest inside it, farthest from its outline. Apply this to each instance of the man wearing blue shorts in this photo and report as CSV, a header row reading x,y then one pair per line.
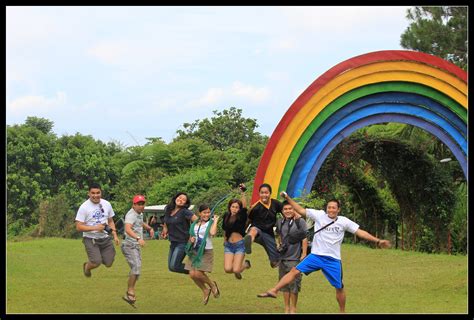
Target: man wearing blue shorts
x,y
326,247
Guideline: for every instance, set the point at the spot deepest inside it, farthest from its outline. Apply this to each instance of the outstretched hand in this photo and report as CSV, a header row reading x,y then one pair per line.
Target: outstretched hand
x,y
384,244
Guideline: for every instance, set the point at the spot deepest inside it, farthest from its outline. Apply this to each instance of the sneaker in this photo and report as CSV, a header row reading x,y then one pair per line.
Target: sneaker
x,y
238,275
248,244
87,272
247,264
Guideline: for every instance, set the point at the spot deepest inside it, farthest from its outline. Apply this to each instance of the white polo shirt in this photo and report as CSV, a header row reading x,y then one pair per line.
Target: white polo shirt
x,y
327,242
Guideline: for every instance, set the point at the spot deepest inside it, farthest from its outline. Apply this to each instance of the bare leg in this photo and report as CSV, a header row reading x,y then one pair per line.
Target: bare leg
x,y
293,302
204,279
287,279
132,280
90,265
341,299
253,233
239,264
229,262
286,299
197,278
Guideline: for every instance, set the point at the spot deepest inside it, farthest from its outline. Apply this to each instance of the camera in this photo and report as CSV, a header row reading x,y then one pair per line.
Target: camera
x,y
107,228
197,243
242,187
282,248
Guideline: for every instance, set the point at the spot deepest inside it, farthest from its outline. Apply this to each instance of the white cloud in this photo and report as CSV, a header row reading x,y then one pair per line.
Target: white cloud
x,y
250,93
315,28
342,18
36,104
110,52
277,76
236,91
211,97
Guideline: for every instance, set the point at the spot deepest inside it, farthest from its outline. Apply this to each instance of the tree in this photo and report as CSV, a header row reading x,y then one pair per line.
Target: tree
x,y
227,129
80,160
43,125
440,31
29,173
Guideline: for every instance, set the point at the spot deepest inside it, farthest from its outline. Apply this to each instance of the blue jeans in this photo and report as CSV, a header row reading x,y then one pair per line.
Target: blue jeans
x,y
269,244
176,257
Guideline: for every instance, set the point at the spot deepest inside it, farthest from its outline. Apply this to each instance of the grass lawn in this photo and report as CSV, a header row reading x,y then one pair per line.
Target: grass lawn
x,y
45,276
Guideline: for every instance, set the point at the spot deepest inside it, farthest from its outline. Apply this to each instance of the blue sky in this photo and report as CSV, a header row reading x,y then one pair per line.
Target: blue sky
x,y
126,73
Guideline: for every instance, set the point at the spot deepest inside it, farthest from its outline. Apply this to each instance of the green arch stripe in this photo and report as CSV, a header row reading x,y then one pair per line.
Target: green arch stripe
x,y
340,102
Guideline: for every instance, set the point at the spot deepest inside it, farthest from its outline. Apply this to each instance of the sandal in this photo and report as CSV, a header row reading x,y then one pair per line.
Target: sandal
x,y
217,293
206,298
248,244
128,300
266,295
247,264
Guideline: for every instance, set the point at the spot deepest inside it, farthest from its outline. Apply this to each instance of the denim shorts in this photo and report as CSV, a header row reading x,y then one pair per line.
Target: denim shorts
x,y
234,248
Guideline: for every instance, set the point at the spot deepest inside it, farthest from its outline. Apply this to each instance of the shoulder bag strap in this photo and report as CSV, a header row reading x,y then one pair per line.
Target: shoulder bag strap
x,y
325,226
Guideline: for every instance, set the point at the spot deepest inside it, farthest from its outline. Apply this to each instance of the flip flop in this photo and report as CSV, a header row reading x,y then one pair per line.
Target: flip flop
x,y
248,265
218,293
206,299
266,295
128,300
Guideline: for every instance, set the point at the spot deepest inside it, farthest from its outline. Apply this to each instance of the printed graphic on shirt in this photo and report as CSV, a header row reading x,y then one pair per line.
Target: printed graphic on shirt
x,y
98,214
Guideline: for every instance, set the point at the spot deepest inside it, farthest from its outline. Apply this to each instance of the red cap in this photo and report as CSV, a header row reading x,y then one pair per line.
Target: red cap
x,y
138,198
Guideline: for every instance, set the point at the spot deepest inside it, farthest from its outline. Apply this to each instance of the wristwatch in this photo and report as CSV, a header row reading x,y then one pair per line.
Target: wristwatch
x,y
138,238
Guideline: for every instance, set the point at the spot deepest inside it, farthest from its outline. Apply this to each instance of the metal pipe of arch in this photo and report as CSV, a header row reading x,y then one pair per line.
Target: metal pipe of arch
x,y
307,165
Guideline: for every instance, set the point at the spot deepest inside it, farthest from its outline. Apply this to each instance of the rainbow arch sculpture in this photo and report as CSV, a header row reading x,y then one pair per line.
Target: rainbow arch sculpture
x,y
384,86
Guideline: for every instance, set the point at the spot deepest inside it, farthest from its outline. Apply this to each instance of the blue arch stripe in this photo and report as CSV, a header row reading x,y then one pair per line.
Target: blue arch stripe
x,y
344,117
307,183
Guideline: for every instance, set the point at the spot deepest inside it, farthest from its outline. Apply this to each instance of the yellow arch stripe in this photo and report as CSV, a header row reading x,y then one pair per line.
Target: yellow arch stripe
x,y
373,73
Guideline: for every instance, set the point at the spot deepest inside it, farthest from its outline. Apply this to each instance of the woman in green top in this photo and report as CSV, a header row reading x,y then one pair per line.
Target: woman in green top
x,y
200,252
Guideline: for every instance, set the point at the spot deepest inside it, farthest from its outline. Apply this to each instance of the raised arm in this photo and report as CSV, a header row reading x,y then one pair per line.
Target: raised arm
x,y
299,209
243,196
213,230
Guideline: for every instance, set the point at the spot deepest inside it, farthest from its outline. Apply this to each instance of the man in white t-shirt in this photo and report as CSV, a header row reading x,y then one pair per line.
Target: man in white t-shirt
x,y
94,219
326,248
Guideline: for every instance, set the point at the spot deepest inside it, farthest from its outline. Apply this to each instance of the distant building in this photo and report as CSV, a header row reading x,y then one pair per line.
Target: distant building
x,y
159,209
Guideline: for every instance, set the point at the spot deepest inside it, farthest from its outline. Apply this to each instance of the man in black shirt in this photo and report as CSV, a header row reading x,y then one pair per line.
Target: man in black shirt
x,y
263,216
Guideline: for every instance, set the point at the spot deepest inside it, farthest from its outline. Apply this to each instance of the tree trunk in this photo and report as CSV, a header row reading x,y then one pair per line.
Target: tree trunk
x,y
401,242
396,236
376,222
449,242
